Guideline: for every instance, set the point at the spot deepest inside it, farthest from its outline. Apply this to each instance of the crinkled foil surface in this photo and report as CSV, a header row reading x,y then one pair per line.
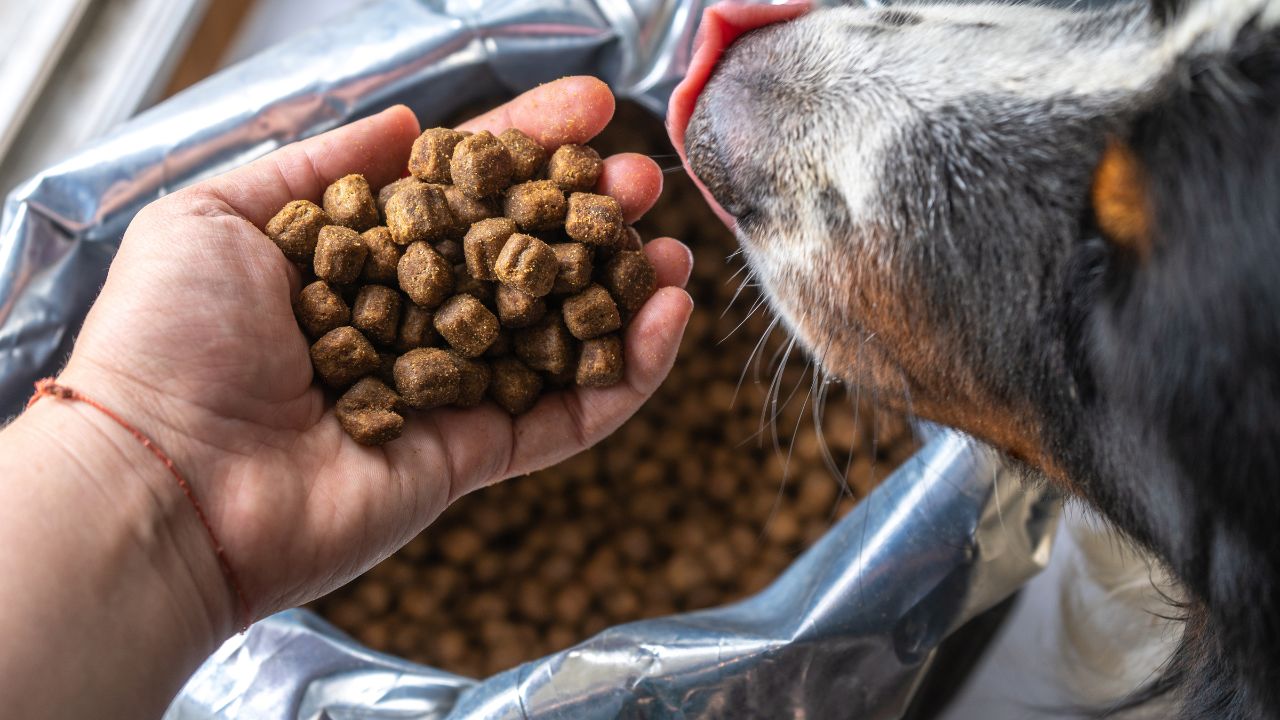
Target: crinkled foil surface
x,y
847,631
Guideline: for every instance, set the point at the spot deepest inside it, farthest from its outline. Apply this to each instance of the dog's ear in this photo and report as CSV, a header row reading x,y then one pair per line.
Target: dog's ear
x,y
1119,196
1165,11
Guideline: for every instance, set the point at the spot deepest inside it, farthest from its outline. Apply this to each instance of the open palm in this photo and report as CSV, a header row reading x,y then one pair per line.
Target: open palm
x,y
193,339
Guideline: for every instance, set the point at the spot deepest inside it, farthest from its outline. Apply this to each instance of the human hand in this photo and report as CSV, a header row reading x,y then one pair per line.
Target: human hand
x,y
193,340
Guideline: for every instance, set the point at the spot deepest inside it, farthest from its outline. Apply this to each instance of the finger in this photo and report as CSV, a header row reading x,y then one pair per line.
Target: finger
x,y
377,147
634,180
565,423
671,259
568,110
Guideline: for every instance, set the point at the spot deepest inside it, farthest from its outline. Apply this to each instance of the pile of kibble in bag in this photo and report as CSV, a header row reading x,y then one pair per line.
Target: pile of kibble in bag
x,y
491,271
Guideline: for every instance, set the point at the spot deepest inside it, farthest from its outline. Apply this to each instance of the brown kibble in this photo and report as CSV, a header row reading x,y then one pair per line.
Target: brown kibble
x,y
467,210
424,276
516,308
386,371
574,273
450,250
591,313
340,254
483,243
535,205
376,313
527,156
526,263
349,203
600,363
369,412
481,165
475,381
419,212
593,219
630,279
514,386
320,309
427,378
500,347
461,545
431,154
296,229
575,168
391,189
467,325
343,356
464,284
384,255
416,328
545,346
629,239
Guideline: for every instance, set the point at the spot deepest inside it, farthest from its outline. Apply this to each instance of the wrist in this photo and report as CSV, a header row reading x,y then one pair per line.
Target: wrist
x,y
145,528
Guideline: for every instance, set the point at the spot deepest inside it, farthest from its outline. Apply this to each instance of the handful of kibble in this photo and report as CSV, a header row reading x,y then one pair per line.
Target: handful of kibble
x,y
491,270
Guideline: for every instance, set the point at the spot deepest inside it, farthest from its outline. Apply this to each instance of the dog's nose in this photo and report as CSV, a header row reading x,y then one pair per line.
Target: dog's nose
x,y
721,25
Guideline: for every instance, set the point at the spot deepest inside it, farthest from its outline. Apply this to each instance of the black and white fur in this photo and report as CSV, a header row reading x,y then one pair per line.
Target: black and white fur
x,y
911,187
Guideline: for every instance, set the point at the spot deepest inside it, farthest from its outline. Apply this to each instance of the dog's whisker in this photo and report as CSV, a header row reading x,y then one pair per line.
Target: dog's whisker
x,y
754,351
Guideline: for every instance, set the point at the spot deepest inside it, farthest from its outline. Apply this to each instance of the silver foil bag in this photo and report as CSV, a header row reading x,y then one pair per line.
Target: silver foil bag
x,y
847,631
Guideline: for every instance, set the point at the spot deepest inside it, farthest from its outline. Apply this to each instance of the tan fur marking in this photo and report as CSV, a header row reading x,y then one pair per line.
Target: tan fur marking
x,y
1120,199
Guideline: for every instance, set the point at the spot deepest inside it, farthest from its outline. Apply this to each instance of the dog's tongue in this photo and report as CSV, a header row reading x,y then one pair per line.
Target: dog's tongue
x,y
721,25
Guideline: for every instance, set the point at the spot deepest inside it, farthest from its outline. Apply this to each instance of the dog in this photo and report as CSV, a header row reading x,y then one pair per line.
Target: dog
x,y
1055,229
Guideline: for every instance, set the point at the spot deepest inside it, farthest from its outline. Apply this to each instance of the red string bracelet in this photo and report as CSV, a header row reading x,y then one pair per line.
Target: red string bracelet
x,y
48,387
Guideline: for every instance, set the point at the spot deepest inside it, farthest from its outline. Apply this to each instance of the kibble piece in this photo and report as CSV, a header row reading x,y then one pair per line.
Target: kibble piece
x,y
526,263
376,313
386,371
481,165
535,205
419,212
450,250
370,412
500,347
630,279
562,379
320,309
591,313
527,156
468,211
600,362
349,203
467,325
343,356
474,384
427,378
575,168
514,386
391,189
432,152
593,219
516,308
384,255
424,276
464,283
296,229
416,328
483,243
629,239
545,346
574,272
340,254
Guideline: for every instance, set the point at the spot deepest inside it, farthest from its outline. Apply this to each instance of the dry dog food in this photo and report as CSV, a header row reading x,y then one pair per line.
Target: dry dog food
x,y
453,285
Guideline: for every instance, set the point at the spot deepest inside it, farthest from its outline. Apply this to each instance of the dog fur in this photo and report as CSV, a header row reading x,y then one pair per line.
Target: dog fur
x,y
915,189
